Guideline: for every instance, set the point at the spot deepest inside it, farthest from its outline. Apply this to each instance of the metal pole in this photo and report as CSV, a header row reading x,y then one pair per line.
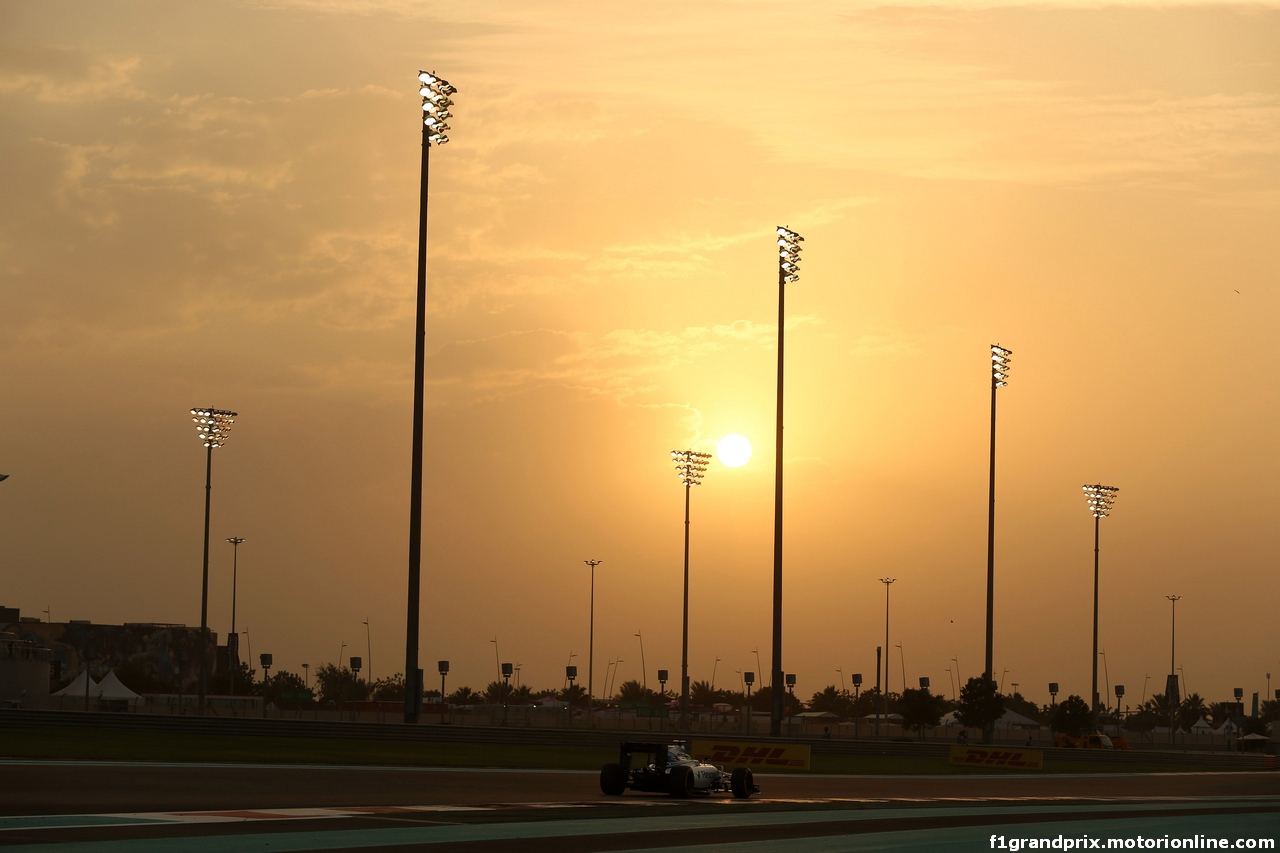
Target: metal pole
x,y
413,692
684,641
988,666
1093,689
204,583
879,688
988,661
368,647
644,675
775,681
1173,638
884,694
591,641
235,562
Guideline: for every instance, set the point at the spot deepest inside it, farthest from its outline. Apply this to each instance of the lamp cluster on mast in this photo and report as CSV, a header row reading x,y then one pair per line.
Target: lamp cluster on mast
x,y
1101,499
212,425
1000,365
789,254
435,94
691,466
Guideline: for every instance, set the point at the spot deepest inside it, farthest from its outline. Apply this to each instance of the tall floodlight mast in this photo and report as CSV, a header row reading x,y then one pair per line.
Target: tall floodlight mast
x,y
691,467
1100,499
436,101
999,379
212,428
788,271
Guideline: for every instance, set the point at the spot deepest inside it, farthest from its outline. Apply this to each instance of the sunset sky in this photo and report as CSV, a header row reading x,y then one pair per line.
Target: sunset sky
x,y
216,205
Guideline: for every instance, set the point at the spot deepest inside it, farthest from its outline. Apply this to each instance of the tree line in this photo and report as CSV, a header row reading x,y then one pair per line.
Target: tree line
x,y
979,704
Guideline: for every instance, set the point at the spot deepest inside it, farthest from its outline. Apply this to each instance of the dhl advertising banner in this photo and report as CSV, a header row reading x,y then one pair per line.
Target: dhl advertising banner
x,y
991,756
757,756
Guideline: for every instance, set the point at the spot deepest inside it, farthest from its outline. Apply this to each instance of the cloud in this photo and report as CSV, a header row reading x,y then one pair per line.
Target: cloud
x,y
62,75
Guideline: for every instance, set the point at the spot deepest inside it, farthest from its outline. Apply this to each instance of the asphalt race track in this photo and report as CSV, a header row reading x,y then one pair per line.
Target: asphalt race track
x,y
133,806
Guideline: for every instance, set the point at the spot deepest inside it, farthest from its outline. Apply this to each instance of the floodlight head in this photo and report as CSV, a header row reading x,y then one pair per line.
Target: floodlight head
x,y
435,94
788,254
212,425
235,540
1101,499
1000,365
691,466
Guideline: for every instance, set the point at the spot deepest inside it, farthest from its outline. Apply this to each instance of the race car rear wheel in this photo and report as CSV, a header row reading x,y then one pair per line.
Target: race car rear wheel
x,y
613,779
681,781
742,782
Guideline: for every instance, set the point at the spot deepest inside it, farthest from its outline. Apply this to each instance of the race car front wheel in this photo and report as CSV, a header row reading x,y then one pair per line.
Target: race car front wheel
x,y
742,782
613,779
681,781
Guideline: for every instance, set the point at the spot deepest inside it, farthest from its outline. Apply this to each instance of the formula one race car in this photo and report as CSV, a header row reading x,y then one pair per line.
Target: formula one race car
x,y
671,770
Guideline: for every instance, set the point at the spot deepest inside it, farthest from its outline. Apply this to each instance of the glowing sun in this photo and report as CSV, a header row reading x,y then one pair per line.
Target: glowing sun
x,y
734,450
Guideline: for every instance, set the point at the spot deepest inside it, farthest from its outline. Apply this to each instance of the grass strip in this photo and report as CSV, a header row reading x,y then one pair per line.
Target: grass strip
x,y
97,744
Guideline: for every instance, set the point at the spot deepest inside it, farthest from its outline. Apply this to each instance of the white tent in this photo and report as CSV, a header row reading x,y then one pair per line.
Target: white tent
x,y
1201,726
112,687
1010,719
1228,728
77,687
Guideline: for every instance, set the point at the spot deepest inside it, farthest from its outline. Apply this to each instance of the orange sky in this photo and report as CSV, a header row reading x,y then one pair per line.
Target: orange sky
x,y
216,205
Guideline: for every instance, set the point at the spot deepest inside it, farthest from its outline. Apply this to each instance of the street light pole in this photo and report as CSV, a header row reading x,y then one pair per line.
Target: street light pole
x,y
644,673
212,427
368,648
691,466
233,639
884,694
435,94
1100,499
591,639
1171,696
999,379
788,271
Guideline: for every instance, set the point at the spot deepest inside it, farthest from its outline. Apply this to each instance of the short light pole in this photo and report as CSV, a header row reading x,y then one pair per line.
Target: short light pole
x,y
368,648
1172,694
788,271
233,639
857,688
1100,499
614,680
266,680
714,666
884,694
591,640
443,668
791,688
355,669
570,674
691,466
1053,692
749,678
212,428
644,671
306,676
506,682
436,101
